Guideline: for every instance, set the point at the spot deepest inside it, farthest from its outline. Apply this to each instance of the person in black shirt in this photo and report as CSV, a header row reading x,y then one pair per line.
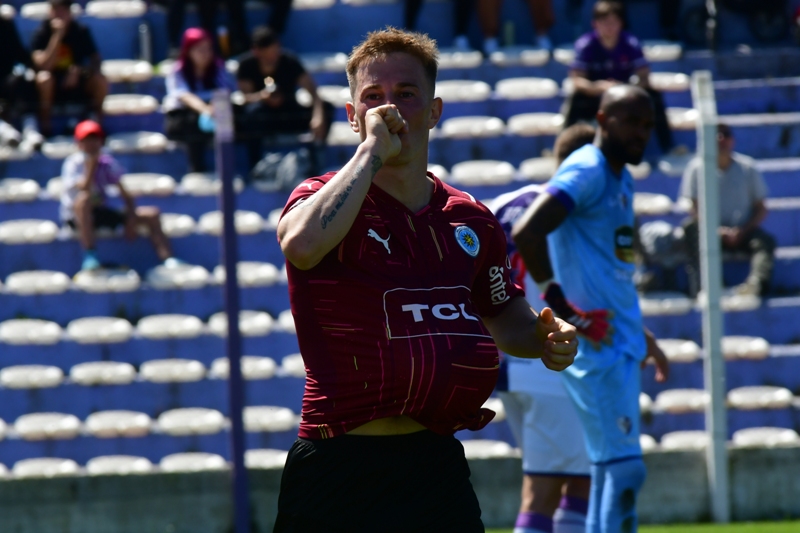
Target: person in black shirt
x,y
17,91
68,64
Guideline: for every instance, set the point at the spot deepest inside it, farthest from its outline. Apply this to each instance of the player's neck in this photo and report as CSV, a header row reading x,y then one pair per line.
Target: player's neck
x,y
408,184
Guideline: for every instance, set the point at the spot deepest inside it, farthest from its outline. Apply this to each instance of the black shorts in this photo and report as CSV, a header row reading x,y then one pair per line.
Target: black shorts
x,y
416,483
103,217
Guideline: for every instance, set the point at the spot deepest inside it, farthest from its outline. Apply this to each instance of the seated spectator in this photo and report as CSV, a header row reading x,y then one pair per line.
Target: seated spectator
x,y
742,210
17,90
606,57
462,12
190,85
269,77
68,65
86,176
489,17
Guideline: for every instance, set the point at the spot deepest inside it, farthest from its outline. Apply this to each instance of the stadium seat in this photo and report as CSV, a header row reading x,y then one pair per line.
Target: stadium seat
x,y
118,465
538,168
269,419
246,222
665,303
206,184
99,330
342,134
126,71
30,331
18,190
102,373
646,203
564,54
178,277
293,365
760,397
170,326
439,171
463,91
140,142
176,225
105,280
3,429
679,350
7,12
192,462
44,467
47,426
265,458
250,274
526,88
451,59
129,104
337,95
41,10
4,473
334,62
532,124
286,322
54,187
484,172
673,165
511,56
659,51
273,218
645,403
109,9
148,184
496,405
765,437
37,282
640,171
681,118
253,367
684,440
669,81
114,424
251,323
172,371
647,443
31,377
191,421
27,231
678,401
488,449
471,127
742,347
312,4
59,147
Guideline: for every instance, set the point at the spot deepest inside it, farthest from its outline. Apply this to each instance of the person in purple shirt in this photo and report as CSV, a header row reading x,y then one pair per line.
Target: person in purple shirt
x,y
605,57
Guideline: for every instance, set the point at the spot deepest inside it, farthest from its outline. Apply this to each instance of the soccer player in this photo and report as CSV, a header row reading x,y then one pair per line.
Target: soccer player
x,y
579,234
401,295
555,485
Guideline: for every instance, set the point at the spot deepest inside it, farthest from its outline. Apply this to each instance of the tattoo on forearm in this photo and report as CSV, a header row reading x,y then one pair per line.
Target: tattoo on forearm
x,y
341,198
376,165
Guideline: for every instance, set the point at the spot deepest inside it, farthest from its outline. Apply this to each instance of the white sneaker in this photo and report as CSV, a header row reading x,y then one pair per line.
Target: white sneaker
x,y
9,136
30,134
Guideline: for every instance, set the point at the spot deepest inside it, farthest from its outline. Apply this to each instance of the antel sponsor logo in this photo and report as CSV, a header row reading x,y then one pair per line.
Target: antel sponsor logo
x,y
428,312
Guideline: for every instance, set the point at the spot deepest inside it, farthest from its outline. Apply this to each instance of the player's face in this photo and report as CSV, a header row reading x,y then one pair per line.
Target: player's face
x,y
628,129
398,79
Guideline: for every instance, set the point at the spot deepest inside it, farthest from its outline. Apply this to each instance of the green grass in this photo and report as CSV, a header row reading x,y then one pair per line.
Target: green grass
x,y
746,527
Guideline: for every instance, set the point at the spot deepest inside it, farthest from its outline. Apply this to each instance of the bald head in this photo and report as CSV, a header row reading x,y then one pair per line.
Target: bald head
x,y
625,120
623,96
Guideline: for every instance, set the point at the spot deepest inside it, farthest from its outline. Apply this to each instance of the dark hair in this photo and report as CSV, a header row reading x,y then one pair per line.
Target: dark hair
x,y
60,3
571,139
724,130
264,37
604,8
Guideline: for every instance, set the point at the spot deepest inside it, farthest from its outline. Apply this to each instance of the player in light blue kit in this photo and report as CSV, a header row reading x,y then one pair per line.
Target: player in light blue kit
x,y
579,234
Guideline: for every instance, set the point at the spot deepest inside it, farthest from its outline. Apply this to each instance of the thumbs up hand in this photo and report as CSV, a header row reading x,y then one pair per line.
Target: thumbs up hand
x,y
559,340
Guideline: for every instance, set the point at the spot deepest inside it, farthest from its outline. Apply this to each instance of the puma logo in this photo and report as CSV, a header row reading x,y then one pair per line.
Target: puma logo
x,y
384,242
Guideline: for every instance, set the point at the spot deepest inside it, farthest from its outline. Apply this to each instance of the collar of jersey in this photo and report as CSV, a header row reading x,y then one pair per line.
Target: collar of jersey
x,y
437,190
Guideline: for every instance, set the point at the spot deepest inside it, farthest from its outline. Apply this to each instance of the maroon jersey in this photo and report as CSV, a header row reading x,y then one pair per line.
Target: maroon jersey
x,y
389,321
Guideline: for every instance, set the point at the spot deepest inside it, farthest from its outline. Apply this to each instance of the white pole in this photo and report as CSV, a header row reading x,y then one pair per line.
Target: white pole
x,y
711,276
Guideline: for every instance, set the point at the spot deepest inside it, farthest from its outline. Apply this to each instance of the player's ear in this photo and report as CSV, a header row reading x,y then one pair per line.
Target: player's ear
x,y
351,116
436,113
601,118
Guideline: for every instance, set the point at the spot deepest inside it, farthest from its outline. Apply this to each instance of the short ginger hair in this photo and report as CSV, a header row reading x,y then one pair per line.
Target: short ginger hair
x,y
380,43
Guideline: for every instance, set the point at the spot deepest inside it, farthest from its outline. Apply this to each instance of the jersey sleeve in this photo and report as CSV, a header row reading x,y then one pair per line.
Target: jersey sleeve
x,y
577,187
302,193
493,288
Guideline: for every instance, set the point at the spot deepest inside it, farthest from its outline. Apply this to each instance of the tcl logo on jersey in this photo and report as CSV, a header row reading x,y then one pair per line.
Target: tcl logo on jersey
x,y
497,284
623,244
427,312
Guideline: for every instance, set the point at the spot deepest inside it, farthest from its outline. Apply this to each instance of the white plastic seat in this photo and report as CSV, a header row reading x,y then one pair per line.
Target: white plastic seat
x,y
312,4
765,437
337,95
246,222
28,231
178,277
685,440
538,168
640,171
29,331
679,350
679,401
294,366
459,59
681,118
472,127
674,165
251,323
760,397
109,9
47,426
496,405
104,280
526,88
118,465
149,184
172,370
439,171
647,443
265,458
646,203
658,51
250,274
129,104
463,91
141,142
564,55
113,424
102,373
126,71
645,403
59,147
176,225
669,81
4,473
324,61
510,56
37,282
192,462
487,449
191,421
206,184
269,419
253,367
531,124
341,134
665,303
31,377
18,190
286,322
741,347
7,12
41,10
170,326
44,467
54,188
483,172
99,330
3,429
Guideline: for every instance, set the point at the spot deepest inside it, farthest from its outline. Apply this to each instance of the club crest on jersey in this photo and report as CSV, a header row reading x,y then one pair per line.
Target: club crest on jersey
x,y
468,240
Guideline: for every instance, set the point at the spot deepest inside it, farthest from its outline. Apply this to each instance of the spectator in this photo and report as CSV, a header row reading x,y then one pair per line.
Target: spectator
x,y
271,106
197,73
86,176
742,210
605,57
207,12
68,65
17,89
462,11
489,17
